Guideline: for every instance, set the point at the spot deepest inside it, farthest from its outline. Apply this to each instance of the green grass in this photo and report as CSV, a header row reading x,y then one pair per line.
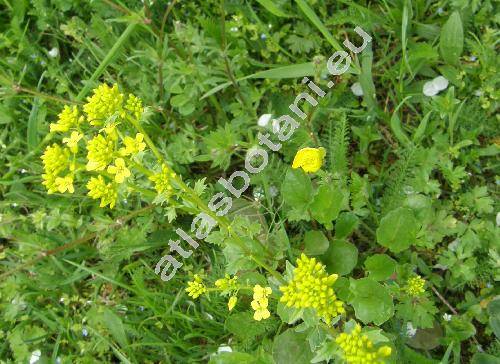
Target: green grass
x,y
409,179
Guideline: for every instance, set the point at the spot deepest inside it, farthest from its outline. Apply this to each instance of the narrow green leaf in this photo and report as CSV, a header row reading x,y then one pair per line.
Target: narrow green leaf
x,y
106,61
315,20
273,8
451,42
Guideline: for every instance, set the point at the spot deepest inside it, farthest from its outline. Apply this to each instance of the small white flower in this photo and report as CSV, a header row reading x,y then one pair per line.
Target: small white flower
x,y
234,29
433,87
85,332
14,204
441,83
447,317
269,26
264,120
410,330
61,299
35,356
58,360
498,219
356,89
210,317
263,36
489,285
478,93
440,11
23,171
224,349
473,58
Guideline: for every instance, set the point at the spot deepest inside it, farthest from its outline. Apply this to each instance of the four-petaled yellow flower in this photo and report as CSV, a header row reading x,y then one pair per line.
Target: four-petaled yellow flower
x,y
133,145
309,159
64,184
358,348
72,141
232,302
260,302
120,170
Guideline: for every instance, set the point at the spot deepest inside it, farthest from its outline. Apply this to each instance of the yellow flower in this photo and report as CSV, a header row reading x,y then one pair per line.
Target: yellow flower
x,y
260,302
64,184
311,286
133,146
134,105
99,152
120,170
415,286
67,119
105,102
49,181
232,302
358,348
227,283
55,159
72,141
162,180
309,159
107,192
196,287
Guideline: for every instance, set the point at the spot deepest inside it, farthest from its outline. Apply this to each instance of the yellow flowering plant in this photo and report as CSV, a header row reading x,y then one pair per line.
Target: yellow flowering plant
x,y
103,148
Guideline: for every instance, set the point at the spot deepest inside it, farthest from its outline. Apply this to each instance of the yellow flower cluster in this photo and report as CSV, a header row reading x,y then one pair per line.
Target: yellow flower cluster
x,y
227,283
105,102
196,287
311,286
162,180
100,150
415,286
358,348
107,192
134,105
260,302
133,145
56,159
309,159
67,119
108,149
230,285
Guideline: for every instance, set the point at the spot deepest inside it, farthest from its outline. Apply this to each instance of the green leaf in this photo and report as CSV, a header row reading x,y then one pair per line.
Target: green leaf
x,y
341,257
380,266
345,225
316,21
398,229
451,41
327,204
297,189
292,348
316,243
281,72
273,8
372,302
115,327
482,358
494,312
233,358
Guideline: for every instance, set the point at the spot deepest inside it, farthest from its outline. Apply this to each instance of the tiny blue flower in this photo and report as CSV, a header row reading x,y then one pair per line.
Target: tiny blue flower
x,y
263,36
85,332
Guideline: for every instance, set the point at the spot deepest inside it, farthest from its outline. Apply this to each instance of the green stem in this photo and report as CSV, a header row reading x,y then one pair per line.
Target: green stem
x,y
191,194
